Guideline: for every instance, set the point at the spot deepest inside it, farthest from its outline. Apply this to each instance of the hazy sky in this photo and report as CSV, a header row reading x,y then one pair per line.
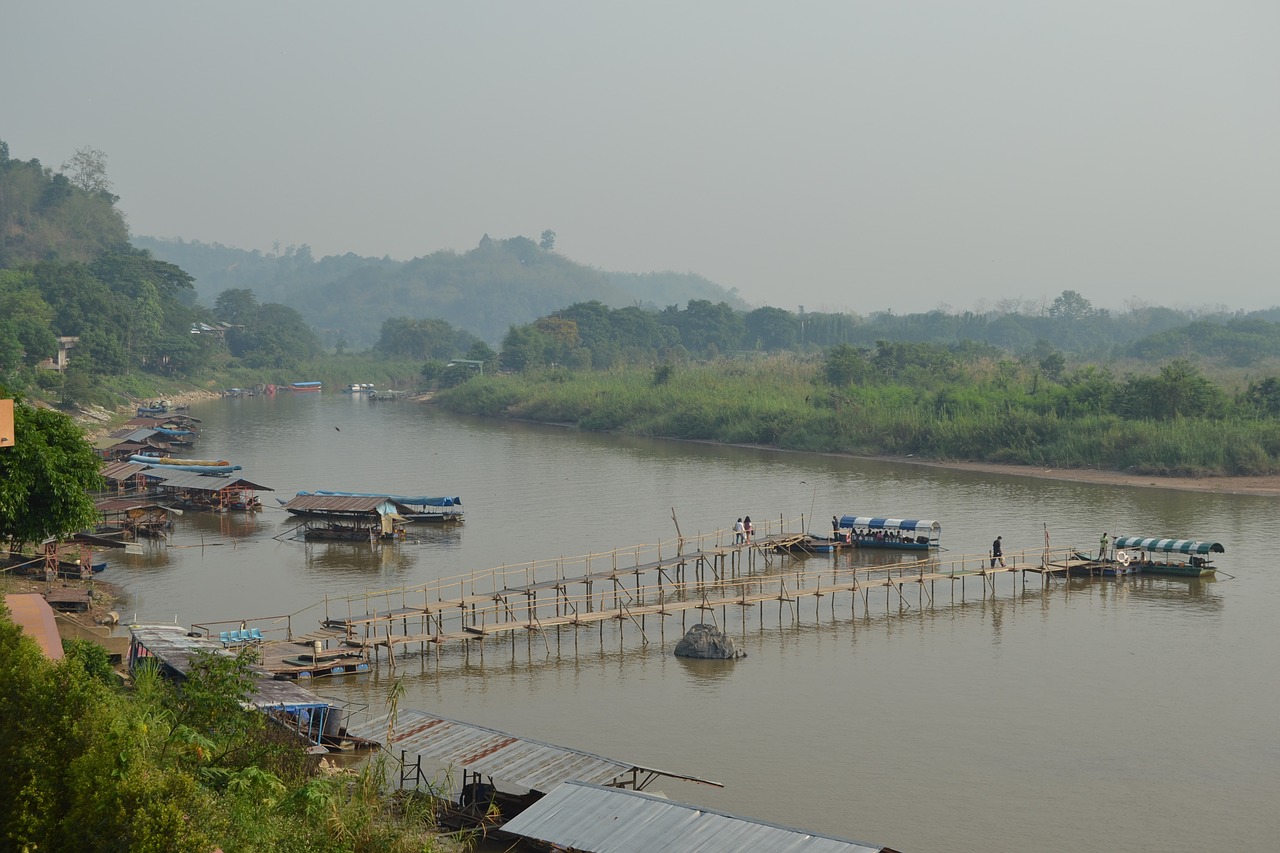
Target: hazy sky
x,y
836,155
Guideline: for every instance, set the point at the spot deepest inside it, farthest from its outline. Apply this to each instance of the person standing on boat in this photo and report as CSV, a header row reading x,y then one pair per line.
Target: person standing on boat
x,y
997,552
1102,549
739,532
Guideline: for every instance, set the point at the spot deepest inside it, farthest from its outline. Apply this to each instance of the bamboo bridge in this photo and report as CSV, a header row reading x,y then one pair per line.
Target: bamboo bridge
x,y
641,586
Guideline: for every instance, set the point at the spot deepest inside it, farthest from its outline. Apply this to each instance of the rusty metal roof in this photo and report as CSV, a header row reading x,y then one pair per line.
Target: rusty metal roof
x,y
30,612
342,505
109,505
579,816
515,760
195,481
125,470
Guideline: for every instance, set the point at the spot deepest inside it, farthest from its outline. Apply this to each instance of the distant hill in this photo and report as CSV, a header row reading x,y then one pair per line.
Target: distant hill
x,y
485,291
47,216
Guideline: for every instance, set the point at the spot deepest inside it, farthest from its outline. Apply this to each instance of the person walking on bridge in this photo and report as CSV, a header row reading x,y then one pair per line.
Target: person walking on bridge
x,y
997,552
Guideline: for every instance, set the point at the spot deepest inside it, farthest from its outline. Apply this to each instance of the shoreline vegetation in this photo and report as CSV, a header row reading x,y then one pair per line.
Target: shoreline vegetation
x,y
784,404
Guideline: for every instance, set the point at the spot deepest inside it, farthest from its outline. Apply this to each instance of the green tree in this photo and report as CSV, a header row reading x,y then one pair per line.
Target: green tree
x,y
1070,305
236,305
548,241
87,169
525,347
772,328
845,365
45,477
1264,396
485,354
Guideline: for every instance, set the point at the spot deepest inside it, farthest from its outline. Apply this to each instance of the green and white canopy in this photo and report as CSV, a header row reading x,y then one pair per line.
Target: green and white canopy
x,y
1180,546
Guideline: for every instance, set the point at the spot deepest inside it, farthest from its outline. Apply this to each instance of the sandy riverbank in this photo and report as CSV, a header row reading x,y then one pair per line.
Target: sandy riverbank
x,y
99,422
1263,486
106,596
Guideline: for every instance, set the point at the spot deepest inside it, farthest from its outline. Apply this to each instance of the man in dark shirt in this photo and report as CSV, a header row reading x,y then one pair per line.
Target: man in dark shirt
x,y
997,552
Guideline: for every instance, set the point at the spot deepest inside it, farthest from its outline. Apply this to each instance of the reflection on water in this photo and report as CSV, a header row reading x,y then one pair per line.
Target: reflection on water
x,y
358,557
938,702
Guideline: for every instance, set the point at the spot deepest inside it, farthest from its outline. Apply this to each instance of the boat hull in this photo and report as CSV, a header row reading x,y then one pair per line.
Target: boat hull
x,y
889,546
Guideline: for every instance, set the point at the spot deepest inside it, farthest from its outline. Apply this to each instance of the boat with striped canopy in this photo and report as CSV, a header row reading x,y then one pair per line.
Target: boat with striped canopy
x,y
1186,557
903,534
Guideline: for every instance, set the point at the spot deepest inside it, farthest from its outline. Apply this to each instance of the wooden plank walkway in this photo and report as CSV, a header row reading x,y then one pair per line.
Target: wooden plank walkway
x,y
516,610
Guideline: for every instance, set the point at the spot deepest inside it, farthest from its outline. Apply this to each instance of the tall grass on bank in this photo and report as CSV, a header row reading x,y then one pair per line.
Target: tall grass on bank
x,y
780,403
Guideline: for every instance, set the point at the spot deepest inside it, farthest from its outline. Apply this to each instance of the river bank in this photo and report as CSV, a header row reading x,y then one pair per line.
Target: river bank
x,y
1267,485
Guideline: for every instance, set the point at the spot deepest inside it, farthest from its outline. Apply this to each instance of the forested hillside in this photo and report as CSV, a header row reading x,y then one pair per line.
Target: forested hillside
x,y
71,282
486,290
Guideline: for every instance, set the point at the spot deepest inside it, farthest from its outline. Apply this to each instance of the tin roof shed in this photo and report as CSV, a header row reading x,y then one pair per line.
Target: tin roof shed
x,y
580,816
505,757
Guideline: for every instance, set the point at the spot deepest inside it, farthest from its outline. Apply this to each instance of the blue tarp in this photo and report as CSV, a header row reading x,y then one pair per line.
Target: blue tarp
x,y
420,500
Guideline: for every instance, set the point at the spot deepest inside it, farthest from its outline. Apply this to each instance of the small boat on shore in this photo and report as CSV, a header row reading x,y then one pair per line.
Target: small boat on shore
x,y
901,534
306,387
152,409
358,388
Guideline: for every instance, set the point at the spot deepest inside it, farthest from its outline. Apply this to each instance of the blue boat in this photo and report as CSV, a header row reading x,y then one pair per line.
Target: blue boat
x,y
151,461
900,534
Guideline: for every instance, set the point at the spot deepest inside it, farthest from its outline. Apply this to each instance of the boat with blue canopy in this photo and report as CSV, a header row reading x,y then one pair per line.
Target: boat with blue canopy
x,y
903,534
1186,557
177,465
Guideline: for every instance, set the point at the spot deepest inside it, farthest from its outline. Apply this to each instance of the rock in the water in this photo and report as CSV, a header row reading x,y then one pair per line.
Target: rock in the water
x,y
707,641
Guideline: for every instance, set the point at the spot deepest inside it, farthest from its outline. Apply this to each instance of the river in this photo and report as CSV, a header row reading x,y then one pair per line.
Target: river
x,y
1131,714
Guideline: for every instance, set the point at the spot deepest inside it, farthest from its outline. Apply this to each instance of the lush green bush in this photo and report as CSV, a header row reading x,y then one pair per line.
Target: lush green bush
x,y
89,766
918,400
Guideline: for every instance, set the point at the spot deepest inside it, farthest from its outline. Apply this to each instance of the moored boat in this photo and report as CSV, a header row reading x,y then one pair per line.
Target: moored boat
x,y
157,407
306,386
1152,555
173,460
413,507
902,534
181,465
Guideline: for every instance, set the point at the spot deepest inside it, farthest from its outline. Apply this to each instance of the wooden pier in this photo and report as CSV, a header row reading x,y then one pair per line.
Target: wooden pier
x,y
632,586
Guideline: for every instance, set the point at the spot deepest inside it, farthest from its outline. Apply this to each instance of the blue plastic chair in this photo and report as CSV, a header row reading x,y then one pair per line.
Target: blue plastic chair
x,y
225,637
236,639
255,635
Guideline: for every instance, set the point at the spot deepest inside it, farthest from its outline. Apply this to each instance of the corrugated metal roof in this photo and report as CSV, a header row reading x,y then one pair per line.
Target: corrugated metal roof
x,y
196,481
592,818
173,645
505,757
106,505
142,434
338,504
124,470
